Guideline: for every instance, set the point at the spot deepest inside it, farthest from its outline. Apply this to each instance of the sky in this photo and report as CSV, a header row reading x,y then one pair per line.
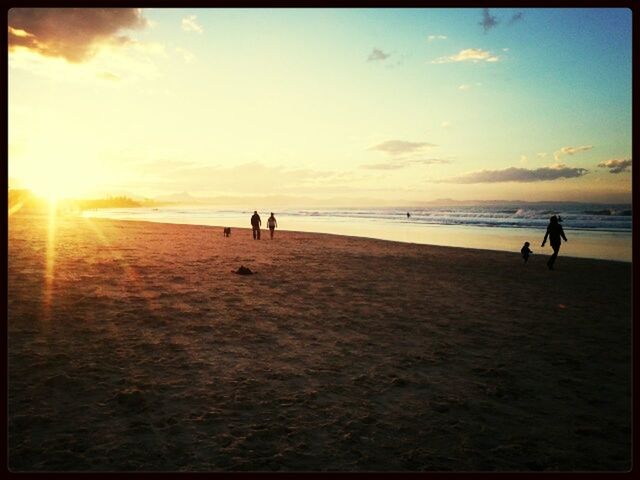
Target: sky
x,y
375,106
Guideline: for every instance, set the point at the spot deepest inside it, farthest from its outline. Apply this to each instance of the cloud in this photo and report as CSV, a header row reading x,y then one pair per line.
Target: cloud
x,y
616,165
186,55
404,163
430,161
109,76
384,166
74,34
189,24
243,179
514,174
432,38
470,54
517,17
488,21
401,147
377,54
541,155
133,62
464,87
570,151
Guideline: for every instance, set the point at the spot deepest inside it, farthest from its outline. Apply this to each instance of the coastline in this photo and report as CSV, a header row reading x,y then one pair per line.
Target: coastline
x,y
615,246
341,353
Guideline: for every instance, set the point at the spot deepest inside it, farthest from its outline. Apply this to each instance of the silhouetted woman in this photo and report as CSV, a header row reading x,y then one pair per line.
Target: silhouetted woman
x,y
272,223
554,232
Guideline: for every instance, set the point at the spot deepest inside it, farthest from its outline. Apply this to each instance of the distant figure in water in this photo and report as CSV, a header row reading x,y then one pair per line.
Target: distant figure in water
x,y
408,214
554,232
255,225
525,251
272,223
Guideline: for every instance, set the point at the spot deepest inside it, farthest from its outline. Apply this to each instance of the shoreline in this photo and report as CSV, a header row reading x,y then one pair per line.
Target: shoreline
x,y
443,234
341,353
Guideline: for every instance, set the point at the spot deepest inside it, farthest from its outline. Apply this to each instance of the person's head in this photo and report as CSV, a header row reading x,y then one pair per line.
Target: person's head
x,y
553,219
255,212
272,214
526,244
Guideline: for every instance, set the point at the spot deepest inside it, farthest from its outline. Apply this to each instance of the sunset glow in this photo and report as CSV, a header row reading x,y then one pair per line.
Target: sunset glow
x,y
381,105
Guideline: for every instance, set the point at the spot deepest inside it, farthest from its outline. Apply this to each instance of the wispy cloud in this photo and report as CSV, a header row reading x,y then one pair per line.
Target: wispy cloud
x,y
133,62
74,34
255,177
470,54
432,38
109,76
383,166
464,87
189,24
524,175
401,147
488,21
517,17
377,55
186,55
404,163
616,165
570,151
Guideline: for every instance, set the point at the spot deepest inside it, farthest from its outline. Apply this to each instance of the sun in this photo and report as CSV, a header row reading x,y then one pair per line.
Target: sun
x,y
52,190
55,184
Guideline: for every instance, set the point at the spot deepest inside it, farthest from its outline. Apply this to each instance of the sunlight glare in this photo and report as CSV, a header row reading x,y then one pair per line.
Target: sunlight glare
x,y
50,258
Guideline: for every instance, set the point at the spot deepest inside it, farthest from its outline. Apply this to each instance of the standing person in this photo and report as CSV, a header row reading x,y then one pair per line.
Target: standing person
x,y
255,225
554,232
272,224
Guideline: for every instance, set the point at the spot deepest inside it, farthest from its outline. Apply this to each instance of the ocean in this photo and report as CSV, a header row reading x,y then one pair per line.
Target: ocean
x,y
593,230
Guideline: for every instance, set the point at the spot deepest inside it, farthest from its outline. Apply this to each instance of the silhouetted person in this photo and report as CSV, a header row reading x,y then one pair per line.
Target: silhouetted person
x,y
525,251
408,214
272,223
554,232
255,225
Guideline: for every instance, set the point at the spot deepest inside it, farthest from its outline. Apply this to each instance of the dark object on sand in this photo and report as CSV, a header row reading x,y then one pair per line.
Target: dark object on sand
x,y
244,271
227,231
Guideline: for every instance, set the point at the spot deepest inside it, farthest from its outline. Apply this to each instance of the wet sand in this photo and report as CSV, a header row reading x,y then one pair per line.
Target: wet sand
x,y
132,346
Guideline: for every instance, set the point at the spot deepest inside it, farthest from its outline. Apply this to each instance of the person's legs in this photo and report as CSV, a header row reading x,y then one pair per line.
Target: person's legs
x,y
272,229
258,232
254,233
552,259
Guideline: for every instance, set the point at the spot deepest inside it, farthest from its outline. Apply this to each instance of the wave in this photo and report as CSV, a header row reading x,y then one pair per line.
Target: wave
x,y
608,212
606,218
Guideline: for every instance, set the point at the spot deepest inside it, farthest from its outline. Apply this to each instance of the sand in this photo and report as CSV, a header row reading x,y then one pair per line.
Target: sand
x,y
135,347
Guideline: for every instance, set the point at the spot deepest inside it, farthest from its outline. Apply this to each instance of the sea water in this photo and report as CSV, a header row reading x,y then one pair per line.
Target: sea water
x,y
593,230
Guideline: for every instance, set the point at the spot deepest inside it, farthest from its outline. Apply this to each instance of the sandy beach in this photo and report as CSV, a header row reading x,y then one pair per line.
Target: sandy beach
x,y
133,346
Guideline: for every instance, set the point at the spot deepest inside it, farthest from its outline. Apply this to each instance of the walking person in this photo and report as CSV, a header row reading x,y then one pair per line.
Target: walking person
x,y
255,225
554,232
526,251
272,223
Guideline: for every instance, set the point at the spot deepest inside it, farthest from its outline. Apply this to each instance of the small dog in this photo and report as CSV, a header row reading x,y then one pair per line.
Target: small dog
x,y
227,231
